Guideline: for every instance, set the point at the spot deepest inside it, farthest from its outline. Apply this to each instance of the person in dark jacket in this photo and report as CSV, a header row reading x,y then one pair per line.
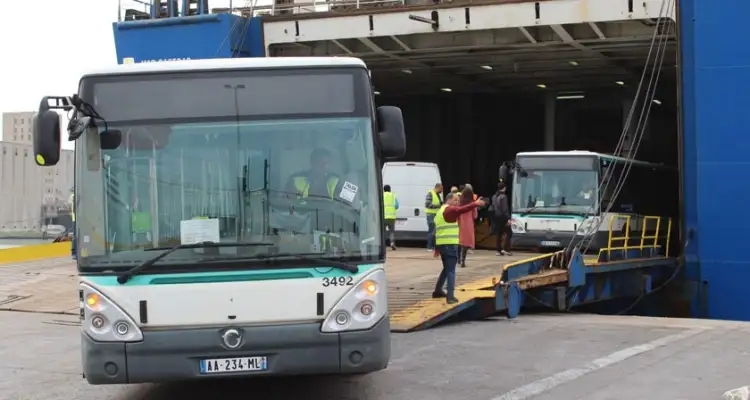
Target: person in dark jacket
x,y
501,221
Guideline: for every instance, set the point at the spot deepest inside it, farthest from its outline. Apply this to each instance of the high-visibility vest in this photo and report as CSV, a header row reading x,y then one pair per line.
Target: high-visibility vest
x,y
435,202
72,203
446,233
140,222
303,186
389,205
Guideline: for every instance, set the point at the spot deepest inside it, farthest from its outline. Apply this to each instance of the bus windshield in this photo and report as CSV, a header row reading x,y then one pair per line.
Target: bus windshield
x,y
306,185
555,191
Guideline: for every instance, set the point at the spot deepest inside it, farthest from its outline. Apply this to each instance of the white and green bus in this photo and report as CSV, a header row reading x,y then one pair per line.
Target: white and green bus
x,y
557,198
229,217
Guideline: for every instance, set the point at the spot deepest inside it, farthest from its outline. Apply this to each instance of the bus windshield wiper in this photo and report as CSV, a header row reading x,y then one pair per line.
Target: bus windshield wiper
x,y
125,276
570,212
310,257
528,211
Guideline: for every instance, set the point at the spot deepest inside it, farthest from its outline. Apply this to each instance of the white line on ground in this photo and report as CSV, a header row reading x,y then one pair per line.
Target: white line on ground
x,y
742,393
543,385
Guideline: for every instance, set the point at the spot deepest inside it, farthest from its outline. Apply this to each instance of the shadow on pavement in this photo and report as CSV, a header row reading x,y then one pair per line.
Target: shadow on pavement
x,y
308,388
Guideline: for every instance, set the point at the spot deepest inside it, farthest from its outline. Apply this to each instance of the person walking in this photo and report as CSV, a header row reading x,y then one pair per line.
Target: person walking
x,y
390,205
432,204
501,221
466,239
446,244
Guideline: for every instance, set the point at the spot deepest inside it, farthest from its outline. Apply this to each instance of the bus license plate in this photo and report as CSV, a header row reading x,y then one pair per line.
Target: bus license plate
x,y
550,243
239,364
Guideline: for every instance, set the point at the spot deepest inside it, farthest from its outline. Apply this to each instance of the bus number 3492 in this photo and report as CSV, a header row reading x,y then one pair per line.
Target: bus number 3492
x,y
339,281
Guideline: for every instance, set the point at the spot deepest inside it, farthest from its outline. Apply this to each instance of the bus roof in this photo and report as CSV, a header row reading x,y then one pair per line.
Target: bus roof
x,y
409,164
579,153
217,64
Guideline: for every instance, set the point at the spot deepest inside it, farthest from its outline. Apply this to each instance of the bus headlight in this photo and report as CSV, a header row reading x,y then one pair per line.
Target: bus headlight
x,y
366,309
361,307
98,321
104,321
517,226
342,318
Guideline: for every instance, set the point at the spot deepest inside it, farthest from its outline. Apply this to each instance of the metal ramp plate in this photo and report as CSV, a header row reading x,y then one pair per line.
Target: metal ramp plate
x,y
411,277
479,290
430,312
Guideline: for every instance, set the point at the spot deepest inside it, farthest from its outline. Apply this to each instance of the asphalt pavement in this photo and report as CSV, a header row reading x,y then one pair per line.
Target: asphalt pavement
x,y
533,357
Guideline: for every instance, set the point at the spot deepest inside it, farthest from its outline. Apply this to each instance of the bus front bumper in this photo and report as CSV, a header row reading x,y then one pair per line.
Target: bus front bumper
x,y
553,241
174,355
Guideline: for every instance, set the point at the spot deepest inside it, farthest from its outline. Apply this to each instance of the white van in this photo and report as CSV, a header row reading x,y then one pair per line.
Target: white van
x,y
410,182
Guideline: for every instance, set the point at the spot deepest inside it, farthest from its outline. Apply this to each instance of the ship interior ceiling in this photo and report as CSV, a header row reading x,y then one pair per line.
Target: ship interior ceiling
x,y
483,96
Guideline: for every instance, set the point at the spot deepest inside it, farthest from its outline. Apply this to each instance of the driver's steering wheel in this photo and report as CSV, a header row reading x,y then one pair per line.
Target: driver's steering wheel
x,y
350,217
327,204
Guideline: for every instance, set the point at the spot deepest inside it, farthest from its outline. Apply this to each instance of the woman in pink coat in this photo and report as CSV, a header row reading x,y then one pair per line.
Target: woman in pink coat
x,y
466,226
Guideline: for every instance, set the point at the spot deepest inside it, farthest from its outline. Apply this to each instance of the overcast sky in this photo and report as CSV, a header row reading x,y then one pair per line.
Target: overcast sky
x,y
47,45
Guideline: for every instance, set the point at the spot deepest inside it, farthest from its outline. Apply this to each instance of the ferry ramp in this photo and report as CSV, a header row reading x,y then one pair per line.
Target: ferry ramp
x,y
629,266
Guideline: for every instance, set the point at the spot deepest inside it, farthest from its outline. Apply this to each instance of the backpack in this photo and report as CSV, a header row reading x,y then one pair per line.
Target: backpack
x,y
496,204
491,207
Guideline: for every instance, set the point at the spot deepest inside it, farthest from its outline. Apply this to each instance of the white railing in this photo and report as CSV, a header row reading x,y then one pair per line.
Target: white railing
x,y
310,7
129,10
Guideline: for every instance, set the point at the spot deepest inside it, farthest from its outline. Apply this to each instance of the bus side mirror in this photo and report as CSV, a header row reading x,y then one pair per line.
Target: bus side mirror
x,y
110,139
46,138
392,136
503,173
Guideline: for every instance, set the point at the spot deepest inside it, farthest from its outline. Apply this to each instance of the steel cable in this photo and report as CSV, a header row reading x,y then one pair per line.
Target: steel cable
x,y
603,186
608,175
642,123
235,25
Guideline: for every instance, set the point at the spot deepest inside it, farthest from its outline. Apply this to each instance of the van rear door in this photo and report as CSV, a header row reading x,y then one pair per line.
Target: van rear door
x,y
410,182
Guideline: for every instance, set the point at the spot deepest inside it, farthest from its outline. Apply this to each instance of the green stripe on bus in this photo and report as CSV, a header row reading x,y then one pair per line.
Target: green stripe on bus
x,y
231,276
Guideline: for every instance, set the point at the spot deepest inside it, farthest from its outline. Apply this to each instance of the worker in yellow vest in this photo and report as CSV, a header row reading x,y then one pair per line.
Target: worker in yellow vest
x,y
390,205
446,244
72,205
432,203
317,181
